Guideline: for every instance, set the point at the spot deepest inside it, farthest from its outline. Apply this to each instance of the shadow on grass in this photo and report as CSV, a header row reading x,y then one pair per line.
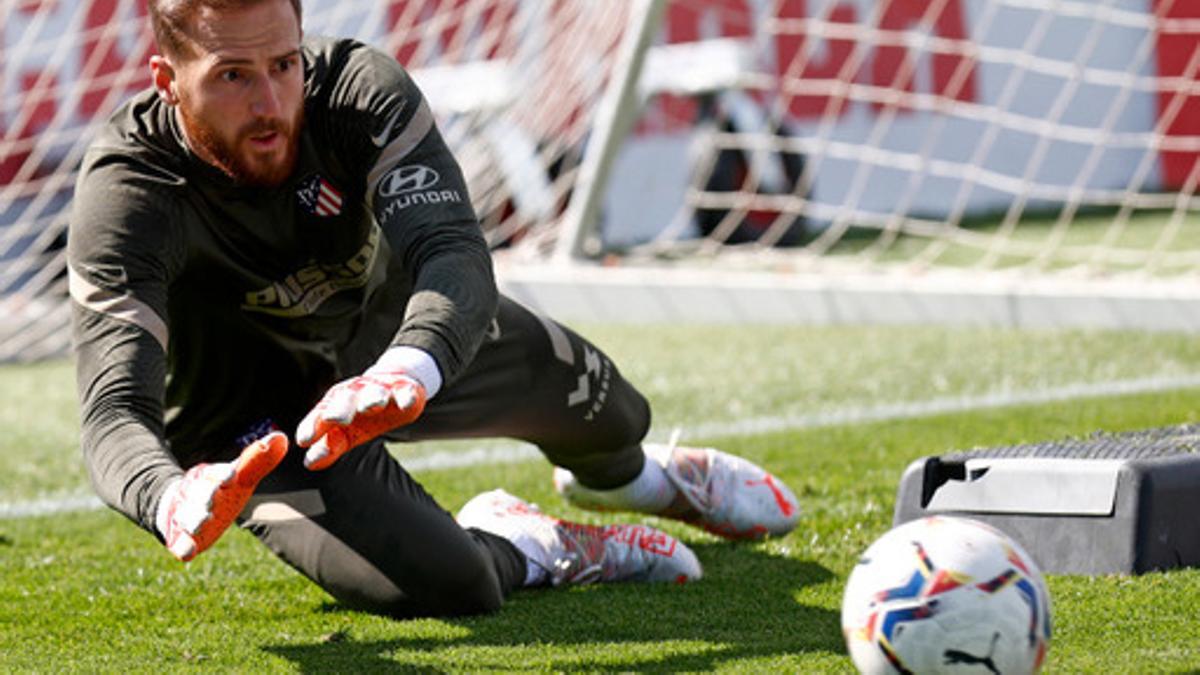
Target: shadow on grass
x,y
743,609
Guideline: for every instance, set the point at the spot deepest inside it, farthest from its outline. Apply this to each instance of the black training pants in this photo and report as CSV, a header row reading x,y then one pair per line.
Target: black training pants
x,y
370,535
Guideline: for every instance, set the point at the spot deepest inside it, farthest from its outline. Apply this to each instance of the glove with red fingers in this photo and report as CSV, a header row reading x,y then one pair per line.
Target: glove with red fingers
x,y
195,510
387,396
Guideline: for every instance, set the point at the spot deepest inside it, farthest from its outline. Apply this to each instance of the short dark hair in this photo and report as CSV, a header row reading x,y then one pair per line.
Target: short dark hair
x,y
168,19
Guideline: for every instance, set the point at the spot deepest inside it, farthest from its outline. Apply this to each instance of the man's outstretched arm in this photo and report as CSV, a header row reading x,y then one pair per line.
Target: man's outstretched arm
x,y
119,264
419,199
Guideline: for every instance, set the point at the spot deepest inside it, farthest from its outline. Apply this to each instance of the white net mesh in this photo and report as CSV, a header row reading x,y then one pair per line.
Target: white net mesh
x,y
979,134
989,136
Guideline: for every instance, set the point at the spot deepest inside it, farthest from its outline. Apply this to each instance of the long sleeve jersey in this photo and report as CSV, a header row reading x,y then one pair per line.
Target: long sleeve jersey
x,y
202,308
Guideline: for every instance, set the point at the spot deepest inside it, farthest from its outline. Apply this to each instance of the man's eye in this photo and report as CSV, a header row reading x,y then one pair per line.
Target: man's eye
x,y
231,76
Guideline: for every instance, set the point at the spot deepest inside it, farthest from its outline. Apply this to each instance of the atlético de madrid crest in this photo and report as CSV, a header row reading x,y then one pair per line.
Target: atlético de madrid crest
x,y
319,197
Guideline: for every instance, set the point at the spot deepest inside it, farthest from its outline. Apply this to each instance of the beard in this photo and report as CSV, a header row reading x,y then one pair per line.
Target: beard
x,y
244,166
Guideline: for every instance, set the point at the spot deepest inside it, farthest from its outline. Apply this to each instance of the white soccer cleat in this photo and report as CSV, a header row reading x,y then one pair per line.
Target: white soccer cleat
x,y
574,553
727,495
722,493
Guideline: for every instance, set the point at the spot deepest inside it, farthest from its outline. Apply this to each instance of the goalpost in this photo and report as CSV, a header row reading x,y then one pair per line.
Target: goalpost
x,y
1003,162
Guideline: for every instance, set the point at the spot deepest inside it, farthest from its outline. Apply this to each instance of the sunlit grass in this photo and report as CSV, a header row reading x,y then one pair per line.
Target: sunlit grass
x,y
88,591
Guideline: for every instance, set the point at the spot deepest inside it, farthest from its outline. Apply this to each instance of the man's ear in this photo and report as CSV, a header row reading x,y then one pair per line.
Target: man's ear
x,y
163,75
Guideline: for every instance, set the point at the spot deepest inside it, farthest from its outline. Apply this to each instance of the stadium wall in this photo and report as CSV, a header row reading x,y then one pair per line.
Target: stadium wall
x,y
632,296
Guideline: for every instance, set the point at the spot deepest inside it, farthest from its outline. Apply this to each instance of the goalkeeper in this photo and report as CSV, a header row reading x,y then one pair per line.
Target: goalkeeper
x,y
275,268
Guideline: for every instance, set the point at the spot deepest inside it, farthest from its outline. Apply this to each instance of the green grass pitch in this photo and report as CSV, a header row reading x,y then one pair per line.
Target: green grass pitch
x,y
87,591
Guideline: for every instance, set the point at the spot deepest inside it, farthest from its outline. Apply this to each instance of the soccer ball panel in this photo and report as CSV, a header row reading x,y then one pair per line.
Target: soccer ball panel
x,y
945,595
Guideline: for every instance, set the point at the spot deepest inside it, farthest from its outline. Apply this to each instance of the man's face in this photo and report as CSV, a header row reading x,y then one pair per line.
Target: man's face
x,y
239,87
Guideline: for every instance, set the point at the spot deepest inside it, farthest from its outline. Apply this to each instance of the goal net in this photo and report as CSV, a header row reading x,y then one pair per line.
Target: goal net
x,y
643,157
981,134
982,161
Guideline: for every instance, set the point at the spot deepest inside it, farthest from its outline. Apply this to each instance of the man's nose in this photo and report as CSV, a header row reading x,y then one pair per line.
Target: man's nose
x,y
266,99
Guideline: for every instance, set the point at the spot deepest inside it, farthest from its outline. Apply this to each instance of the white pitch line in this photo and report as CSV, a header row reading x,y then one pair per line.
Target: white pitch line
x,y
942,406
49,506
514,452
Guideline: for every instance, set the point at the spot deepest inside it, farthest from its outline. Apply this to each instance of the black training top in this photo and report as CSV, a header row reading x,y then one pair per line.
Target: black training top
x,y
203,309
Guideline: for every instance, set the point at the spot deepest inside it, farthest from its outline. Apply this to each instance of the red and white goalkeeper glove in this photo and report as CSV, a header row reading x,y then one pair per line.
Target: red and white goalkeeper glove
x,y
387,396
195,510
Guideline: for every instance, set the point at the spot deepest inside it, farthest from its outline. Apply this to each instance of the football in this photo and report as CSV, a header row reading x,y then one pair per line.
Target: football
x,y
946,595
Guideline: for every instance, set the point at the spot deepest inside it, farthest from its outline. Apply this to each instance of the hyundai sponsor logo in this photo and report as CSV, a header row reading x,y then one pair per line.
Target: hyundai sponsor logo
x,y
406,179
413,185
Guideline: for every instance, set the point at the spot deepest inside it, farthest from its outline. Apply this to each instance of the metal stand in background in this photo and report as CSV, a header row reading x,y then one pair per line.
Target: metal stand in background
x,y
1121,503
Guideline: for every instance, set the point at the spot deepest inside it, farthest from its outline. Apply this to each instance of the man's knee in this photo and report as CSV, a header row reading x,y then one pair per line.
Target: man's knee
x,y
468,587
476,591
465,583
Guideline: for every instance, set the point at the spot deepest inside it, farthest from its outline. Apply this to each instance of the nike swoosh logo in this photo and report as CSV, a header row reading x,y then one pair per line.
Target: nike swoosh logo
x,y
114,275
381,139
493,330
